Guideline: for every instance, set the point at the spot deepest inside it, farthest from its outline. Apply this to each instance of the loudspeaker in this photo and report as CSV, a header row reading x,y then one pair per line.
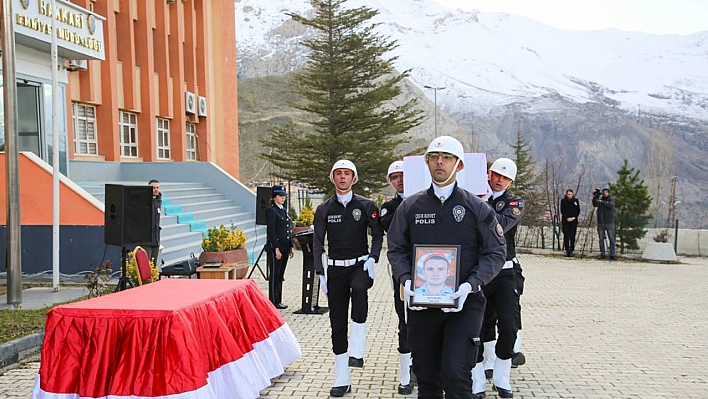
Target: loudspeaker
x,y
128,215
263,196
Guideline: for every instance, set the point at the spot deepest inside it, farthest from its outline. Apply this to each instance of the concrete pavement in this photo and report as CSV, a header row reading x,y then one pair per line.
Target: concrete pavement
x,y
592,329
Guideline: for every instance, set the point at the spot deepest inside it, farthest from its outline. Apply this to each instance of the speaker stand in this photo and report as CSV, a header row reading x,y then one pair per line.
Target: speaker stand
x,y
124,280
256,265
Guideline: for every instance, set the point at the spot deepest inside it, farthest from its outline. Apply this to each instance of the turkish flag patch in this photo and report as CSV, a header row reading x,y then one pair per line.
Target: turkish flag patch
x,y
374,215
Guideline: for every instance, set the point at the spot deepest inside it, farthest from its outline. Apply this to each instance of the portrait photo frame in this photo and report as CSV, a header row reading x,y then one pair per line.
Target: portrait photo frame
x,y
436,275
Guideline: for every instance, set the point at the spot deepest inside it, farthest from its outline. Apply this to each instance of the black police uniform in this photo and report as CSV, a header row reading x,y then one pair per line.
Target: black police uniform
x,y
278,228
388,209
348,248
446,344
154,248
503,306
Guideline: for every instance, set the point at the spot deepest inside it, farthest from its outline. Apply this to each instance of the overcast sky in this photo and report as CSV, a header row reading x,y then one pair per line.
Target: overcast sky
x,y
650,16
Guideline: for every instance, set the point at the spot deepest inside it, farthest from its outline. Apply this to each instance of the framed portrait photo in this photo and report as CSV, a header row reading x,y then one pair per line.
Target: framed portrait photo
x,y
435,275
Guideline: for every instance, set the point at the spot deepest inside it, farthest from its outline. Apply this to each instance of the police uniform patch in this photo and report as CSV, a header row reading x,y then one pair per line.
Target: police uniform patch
x,y
500,231
516,211
458,212
384,212
500,206
356,213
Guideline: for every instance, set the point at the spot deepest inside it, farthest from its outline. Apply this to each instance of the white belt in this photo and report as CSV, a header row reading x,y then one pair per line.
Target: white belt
x,y
510,263
346,262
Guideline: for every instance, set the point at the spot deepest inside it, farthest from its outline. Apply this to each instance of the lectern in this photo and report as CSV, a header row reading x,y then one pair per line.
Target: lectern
x,y
310,282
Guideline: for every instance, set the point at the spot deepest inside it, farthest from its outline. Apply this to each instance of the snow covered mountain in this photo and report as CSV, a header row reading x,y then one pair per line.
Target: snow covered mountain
x,y
486,60
589,99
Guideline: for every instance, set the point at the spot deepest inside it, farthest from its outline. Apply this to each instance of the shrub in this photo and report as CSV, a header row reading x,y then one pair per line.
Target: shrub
x,y
306,218
220,239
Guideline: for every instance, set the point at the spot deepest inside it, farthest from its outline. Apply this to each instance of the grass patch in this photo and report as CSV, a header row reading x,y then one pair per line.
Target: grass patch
x,y
20,323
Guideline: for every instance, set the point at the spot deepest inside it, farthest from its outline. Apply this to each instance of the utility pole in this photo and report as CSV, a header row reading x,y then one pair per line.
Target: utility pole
x,y
435,102
13,246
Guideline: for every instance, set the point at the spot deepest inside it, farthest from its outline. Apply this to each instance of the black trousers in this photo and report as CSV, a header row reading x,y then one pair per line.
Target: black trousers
x,y
400,307
569,230
445,347
277,275
345,284
501,313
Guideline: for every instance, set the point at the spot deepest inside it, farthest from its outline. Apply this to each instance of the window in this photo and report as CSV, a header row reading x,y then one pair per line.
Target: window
x,y
128,134
191,143
85,138
163,138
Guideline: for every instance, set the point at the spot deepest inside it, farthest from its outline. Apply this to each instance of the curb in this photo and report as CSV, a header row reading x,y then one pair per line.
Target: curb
x,y
19,350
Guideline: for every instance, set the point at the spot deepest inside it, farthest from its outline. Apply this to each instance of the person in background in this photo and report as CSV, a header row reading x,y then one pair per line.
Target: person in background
x,y
388,209
153,250
605,205
570,210
444,341
280,246
345,220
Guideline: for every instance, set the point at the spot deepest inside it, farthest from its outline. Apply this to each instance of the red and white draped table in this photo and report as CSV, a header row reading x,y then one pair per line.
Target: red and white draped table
x,y
174,338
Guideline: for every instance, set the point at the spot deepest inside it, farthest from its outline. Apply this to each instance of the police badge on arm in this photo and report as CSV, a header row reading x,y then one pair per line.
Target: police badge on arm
x,y
435,275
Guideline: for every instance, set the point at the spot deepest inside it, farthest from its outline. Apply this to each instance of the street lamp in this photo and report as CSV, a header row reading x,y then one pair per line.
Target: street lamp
x,y
435,99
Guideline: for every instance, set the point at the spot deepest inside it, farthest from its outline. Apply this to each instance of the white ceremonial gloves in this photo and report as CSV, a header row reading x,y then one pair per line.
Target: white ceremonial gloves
x,y
323,285
369,267
409,294
461,295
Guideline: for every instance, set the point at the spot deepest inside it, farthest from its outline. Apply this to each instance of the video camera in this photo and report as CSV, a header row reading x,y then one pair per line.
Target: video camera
x,y
597,193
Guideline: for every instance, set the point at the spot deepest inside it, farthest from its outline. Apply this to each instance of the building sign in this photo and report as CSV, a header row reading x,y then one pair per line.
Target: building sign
x,y
79,32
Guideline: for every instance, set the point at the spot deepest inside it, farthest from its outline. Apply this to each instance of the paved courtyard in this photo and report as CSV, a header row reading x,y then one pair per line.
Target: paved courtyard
x,y
592,329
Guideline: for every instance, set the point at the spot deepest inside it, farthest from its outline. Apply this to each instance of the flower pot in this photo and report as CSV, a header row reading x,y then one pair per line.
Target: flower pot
x,y
233,256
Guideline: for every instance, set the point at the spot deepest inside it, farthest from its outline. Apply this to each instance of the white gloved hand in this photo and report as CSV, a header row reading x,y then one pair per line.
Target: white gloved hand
x,y
323,285
488,194
369,267
461,295
409,294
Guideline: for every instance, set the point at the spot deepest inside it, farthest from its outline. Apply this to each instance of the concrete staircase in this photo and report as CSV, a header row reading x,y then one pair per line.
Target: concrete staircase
x,y
188,210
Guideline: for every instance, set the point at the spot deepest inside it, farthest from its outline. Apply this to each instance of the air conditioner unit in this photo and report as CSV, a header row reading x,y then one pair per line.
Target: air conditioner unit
x,y
202,107
170,1
77,65
190,102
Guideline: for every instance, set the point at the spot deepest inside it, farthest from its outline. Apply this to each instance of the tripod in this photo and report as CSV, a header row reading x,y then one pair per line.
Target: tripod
x,y
124,280
256,265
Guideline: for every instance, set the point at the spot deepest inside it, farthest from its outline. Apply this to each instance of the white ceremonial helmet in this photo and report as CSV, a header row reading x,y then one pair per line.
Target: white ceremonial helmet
x,y
344,164
449,145
505,167
396,166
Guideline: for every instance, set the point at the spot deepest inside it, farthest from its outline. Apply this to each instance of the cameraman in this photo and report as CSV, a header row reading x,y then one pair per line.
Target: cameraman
x,y
605,219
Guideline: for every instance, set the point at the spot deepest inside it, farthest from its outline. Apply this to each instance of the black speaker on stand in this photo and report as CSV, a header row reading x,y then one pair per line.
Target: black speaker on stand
x,y
127,221
263,196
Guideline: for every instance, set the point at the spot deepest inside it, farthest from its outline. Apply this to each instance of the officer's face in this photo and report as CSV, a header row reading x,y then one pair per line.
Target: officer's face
x,y
441,166
498,182
343,179
279,199
155,189
396,180
435,272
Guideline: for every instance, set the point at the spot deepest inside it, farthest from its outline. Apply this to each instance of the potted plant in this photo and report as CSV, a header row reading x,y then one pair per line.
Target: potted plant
x,y
225,245
303,222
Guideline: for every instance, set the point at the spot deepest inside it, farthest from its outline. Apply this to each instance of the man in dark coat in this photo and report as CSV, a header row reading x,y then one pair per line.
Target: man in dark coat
x,y
570,210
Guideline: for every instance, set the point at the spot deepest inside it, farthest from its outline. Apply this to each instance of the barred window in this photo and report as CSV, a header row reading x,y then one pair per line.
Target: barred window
x,y
128,125
85,137
163,138
191,142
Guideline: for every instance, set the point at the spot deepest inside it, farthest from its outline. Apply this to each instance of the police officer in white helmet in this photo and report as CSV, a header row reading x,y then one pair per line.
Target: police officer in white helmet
x,y
344,220
388,209
444,341
502,313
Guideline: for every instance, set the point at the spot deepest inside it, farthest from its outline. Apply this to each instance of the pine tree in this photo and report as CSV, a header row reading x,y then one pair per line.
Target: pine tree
x,y
527,180
632,202
347,87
